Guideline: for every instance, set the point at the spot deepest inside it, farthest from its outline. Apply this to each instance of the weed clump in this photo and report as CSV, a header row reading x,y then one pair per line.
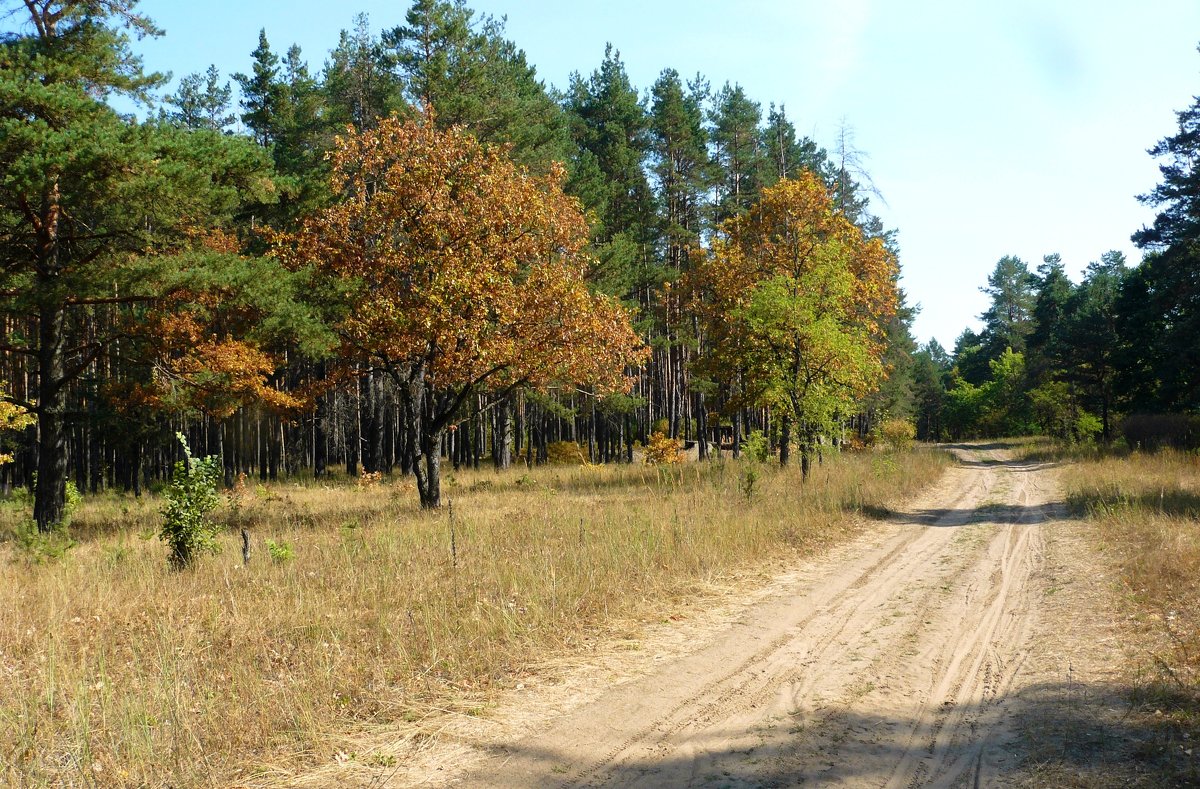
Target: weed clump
x,y
191,496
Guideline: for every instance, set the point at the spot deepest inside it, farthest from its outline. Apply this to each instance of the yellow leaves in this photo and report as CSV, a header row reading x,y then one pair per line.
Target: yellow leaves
x,y
12,418
662,450
471,265
795,299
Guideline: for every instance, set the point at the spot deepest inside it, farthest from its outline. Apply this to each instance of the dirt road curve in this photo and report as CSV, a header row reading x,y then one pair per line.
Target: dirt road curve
x,y
899,661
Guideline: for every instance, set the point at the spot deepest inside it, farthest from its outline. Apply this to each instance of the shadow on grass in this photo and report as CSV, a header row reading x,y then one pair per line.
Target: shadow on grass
x,y
1172,502
1069,734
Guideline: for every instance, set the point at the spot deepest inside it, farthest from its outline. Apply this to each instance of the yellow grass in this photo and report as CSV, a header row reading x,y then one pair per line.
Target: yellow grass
x,y
1146,512
115,670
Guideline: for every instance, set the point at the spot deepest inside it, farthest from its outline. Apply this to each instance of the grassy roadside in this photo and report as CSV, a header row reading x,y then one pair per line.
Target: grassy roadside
x,y
1144,510
116,671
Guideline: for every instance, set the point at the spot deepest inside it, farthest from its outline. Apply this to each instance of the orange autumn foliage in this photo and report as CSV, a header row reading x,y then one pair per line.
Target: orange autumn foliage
x,y
462,267
200,363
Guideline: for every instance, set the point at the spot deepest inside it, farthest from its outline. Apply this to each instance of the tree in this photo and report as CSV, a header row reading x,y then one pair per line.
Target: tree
x,y
679,156
460,271
1159,305
471,75
930,371
852,183
86,197
738,150
796,301
969,358
1179,193
284,108
360,84
609,125
1005,398
260,92
202,102
786,155
1053,292
681,174
895,395
1007,322
1092,338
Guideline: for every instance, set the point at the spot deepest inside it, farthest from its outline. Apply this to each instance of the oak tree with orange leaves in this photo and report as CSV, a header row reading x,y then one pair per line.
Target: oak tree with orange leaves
x,y
459,271
796,301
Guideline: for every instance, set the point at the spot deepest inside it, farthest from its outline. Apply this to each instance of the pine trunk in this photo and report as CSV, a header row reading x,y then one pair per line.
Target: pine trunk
x,y
50,492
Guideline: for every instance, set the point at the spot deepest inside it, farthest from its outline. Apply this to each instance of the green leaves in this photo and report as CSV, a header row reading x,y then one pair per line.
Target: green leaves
x,y
191,496
796,302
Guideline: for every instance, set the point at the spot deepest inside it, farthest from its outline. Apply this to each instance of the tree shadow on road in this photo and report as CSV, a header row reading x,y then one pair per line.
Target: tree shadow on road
x,y
982,447
1066,734
1021,515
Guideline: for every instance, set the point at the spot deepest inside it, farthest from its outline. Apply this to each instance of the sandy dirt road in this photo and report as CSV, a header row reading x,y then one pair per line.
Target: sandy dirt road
x,y
910,657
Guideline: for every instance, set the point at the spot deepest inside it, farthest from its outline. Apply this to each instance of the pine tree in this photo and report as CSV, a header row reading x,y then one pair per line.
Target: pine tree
x,y
738,151
360,83
1008,321
202,102
260,92
1179,193
681,173
85,192
1091,336
680,167
787,155
609,124
471,75
1053,292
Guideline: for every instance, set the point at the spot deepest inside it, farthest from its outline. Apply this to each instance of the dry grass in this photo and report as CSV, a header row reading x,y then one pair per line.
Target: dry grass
x,y
1146,510
115,670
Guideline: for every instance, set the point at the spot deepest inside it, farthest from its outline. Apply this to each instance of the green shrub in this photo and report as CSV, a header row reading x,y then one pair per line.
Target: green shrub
x,y
756,450
280,551
41,547
191,495
756,447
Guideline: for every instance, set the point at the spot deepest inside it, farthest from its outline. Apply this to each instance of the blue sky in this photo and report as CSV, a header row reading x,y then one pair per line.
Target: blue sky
x,y
990,128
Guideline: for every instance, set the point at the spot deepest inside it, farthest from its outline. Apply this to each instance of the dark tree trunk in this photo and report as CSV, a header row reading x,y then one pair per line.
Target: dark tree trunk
x,y
785,439
50,493
353,434
373,423
737,433
227,449
807,443
428,470
420,412
502,440
321,430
